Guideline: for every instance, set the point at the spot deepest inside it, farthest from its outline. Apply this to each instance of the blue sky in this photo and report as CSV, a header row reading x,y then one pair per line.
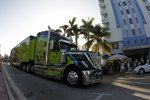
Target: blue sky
x,y
21,18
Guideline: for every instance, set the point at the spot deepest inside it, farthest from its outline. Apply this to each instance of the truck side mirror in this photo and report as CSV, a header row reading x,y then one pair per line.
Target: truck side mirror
x,y
51,44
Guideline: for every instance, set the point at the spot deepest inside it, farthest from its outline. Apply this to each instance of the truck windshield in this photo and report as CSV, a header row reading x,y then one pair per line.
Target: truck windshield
x,y
68,47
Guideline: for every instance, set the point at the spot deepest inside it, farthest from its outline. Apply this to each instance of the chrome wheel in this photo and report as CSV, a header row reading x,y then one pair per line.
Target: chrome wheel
x,y
72,78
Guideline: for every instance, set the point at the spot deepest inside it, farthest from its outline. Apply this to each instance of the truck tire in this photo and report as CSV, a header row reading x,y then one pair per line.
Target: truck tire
x,y
74,77
27,68
24,67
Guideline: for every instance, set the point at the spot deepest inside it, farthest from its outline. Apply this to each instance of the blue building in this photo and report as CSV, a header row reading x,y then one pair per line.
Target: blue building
x,y
129,24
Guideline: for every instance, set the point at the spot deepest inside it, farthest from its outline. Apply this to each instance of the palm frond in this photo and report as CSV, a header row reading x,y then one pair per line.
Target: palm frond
x,y
72,22
88,44
64,28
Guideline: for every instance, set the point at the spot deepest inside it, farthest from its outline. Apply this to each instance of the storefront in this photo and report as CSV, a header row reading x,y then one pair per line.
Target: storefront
x,y
141,52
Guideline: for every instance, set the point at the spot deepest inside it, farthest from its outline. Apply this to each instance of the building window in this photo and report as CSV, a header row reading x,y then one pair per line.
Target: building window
x,y
148,8
133,10
115,45
133,31
127,11
130,20
105,15
124,21
103,7
127,32
136,19
124,3
128,41
130,2
102,1
135,41
140,31
144,0
142,41
119,4
106,25
121,12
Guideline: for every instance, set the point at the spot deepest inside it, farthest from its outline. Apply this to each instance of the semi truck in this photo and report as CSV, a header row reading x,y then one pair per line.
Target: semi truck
x,y
56,56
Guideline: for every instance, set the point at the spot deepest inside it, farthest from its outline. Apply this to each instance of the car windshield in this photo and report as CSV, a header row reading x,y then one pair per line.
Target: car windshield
x,y
68,47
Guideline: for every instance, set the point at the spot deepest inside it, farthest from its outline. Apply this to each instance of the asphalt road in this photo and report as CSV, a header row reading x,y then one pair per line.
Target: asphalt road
x,y
118,87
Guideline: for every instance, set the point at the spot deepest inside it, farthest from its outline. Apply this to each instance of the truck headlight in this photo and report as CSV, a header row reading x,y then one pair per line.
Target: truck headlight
x,y
87,72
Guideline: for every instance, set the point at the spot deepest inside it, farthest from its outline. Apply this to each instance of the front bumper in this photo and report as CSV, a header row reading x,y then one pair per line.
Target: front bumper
x,y
92,76
136,70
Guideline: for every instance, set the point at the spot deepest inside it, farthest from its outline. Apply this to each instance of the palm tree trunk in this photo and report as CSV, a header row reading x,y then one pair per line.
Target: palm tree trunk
x,y
76,39
88,39
98,48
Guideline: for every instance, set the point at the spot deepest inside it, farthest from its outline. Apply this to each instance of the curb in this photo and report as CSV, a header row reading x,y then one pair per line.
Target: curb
x,y
13,91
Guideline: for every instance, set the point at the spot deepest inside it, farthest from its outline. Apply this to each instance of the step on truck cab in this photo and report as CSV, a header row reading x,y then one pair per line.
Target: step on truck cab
x,y
53,55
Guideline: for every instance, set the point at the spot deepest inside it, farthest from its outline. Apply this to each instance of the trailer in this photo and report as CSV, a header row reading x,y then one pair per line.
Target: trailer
x,y
53,55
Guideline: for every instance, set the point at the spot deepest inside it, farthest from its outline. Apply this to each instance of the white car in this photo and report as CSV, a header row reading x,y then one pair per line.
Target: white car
x,y
142,69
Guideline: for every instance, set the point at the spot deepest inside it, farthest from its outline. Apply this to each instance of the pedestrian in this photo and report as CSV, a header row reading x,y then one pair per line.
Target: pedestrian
x,y
147,61
128,65
135,63
122,67
142,61
139,63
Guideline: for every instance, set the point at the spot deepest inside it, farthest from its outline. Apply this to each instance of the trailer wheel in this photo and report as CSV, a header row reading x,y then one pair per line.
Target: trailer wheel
x,y
73,77
24,67
27,68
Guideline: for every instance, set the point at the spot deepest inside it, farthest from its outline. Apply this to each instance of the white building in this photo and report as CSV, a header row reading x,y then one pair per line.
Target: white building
x,y
129,24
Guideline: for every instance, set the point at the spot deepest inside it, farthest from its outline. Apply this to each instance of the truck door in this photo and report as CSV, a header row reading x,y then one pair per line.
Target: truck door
x,y
55,54
54,61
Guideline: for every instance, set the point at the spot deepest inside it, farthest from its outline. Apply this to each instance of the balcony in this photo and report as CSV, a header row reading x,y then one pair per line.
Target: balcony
x,y
101,2
103,11
146,3
105,20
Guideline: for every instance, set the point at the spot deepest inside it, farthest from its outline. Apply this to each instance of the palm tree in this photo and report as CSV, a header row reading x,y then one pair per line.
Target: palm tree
x,y
65,29
71,25
98,41
76,32
73,29
87,27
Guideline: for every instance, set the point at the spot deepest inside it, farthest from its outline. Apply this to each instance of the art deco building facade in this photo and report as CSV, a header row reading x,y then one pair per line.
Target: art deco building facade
x,y
129,24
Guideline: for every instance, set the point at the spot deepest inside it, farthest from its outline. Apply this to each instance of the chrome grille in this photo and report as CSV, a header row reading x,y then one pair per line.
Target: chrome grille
x,y
95,59
91,57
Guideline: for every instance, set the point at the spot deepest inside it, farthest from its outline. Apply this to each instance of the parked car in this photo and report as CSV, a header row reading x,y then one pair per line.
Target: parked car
x,y
142,69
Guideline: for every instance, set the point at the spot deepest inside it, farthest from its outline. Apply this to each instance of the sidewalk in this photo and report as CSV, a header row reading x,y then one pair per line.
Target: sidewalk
x,y
3,92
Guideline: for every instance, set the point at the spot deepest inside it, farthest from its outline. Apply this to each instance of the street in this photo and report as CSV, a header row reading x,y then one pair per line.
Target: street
x,y
118,87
